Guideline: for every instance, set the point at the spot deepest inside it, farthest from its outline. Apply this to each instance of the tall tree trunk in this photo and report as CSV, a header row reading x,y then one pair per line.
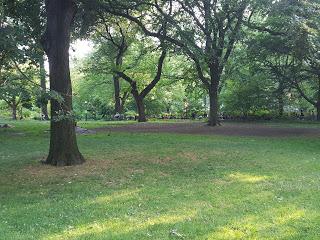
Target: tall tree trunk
x,y
117,99
280,105
116,81
123,100
14,112
14,109
214,106
21,113
280,95
141,109
139,102
318,111
318,100
56,41
122,103
44,105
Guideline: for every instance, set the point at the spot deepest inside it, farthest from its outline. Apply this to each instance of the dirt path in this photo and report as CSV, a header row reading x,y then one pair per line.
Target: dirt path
x,y
228,129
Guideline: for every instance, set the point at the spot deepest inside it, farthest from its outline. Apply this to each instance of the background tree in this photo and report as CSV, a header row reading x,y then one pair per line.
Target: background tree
x,y
16,93
289,49
309,53
139,95
206,31
114,36
31,26
93,86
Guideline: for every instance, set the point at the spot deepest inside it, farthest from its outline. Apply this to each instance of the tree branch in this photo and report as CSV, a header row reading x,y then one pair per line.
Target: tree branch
x,y
157,77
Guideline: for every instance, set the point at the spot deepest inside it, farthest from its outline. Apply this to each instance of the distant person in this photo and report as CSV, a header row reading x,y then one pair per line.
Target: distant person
x,y
301,115
117,116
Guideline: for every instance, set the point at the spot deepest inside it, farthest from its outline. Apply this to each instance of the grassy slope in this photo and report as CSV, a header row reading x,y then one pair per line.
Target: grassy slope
x,y
148,186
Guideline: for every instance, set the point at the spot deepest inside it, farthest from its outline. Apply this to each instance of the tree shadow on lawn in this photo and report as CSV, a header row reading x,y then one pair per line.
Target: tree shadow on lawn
x,y
219,192
194,211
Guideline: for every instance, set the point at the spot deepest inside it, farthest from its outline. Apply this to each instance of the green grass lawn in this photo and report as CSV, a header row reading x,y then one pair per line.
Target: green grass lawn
x,y
159,186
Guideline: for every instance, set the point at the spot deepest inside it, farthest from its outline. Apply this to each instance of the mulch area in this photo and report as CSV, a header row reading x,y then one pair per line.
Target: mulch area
x,y
227,129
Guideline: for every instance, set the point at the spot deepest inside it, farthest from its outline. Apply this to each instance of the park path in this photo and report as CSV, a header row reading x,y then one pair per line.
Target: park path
x,y
227,129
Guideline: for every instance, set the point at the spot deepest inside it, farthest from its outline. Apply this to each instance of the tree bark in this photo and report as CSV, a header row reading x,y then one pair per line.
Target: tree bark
x,y
14,112
14,109
214,106
139,102
21,113
280,95
141,109
318,111
318,100
123,100
117,98
44,106
116,78
56,42
214,98
280,105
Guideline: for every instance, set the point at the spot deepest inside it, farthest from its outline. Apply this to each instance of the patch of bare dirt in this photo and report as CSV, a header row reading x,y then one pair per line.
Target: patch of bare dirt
x,y
227,129
89,168
194,157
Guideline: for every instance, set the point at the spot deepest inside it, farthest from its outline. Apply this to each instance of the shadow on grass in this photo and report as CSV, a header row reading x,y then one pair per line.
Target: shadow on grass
x,y
168,187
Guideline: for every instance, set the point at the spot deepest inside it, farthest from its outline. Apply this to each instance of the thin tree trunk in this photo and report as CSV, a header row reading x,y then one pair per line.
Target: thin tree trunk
x,y
116,80
44,106
280,105
280,96
318,111
14,109
56,41
318,100
14,112
117,99
123,100
21,113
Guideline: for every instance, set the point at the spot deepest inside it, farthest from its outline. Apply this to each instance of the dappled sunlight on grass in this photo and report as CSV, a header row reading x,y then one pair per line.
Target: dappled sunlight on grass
x,y
227,233
160,186
123,195
266,225
247,178
118,226
284,215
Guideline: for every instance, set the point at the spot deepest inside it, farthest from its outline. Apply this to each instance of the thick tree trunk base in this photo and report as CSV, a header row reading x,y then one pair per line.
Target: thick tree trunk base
x,y
213,113
214,123
64,150
62,159
141,110
142,120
